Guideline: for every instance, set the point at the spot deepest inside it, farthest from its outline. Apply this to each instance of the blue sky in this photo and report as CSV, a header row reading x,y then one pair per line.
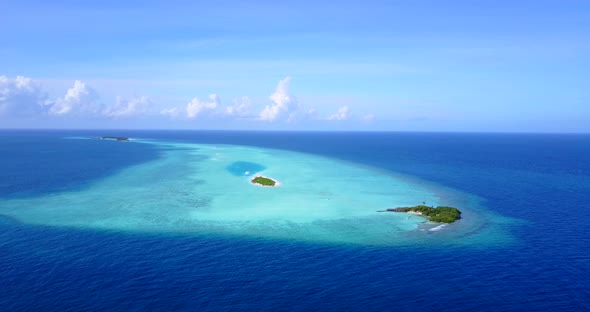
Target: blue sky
x,y
507,66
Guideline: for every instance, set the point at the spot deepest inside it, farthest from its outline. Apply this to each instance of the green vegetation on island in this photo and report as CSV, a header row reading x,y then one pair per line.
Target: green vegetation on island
x,y
441,214
264,181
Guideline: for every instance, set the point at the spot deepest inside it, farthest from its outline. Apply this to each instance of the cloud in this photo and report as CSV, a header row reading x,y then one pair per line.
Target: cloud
x,y
196,107
79,99
172,112
126,108
241,107
21,96
283,103
342,114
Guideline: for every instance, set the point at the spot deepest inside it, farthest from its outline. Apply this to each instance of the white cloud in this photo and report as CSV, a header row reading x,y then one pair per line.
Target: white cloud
x,y
21,96
196,107
126,108
240,108
283,103
172,112
79,99
342,114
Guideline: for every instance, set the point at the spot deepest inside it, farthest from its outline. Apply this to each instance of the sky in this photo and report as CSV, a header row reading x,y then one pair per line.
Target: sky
x,y
467,66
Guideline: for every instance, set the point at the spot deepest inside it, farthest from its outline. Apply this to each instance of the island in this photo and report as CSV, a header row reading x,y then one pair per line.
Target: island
x,y
264,181
116,138
441,214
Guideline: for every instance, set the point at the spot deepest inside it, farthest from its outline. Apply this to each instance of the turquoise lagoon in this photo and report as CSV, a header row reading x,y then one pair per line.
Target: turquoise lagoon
x,y
206,189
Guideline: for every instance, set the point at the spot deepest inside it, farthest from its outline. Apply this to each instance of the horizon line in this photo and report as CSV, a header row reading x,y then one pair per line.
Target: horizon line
x,y
292,130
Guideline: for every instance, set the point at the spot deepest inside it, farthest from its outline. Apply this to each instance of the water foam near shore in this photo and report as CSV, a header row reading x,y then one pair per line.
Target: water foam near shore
x,y
196,188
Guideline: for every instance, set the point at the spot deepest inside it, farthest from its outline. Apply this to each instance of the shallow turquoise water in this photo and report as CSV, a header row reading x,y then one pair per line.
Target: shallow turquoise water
x,y
206,189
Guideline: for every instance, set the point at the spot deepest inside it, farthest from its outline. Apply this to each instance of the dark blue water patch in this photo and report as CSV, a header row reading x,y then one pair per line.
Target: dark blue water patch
x,y
54,269
34,162
244,168
6,220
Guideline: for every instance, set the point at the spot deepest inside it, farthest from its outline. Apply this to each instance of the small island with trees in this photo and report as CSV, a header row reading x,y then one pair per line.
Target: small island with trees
x,y
264,181
442,214
115,138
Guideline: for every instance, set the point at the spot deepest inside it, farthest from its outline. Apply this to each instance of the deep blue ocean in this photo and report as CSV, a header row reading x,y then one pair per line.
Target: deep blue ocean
x,y
541,180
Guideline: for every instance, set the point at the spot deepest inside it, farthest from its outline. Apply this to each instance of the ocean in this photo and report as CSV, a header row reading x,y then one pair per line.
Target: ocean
x,y
170,221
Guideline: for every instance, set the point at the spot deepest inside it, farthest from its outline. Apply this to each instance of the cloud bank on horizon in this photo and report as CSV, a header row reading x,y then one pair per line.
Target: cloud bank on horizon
x,y
23,97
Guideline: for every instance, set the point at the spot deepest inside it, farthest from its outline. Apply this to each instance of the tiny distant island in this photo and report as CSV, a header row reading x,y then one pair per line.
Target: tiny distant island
x,y
441,214
114,138
264,181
